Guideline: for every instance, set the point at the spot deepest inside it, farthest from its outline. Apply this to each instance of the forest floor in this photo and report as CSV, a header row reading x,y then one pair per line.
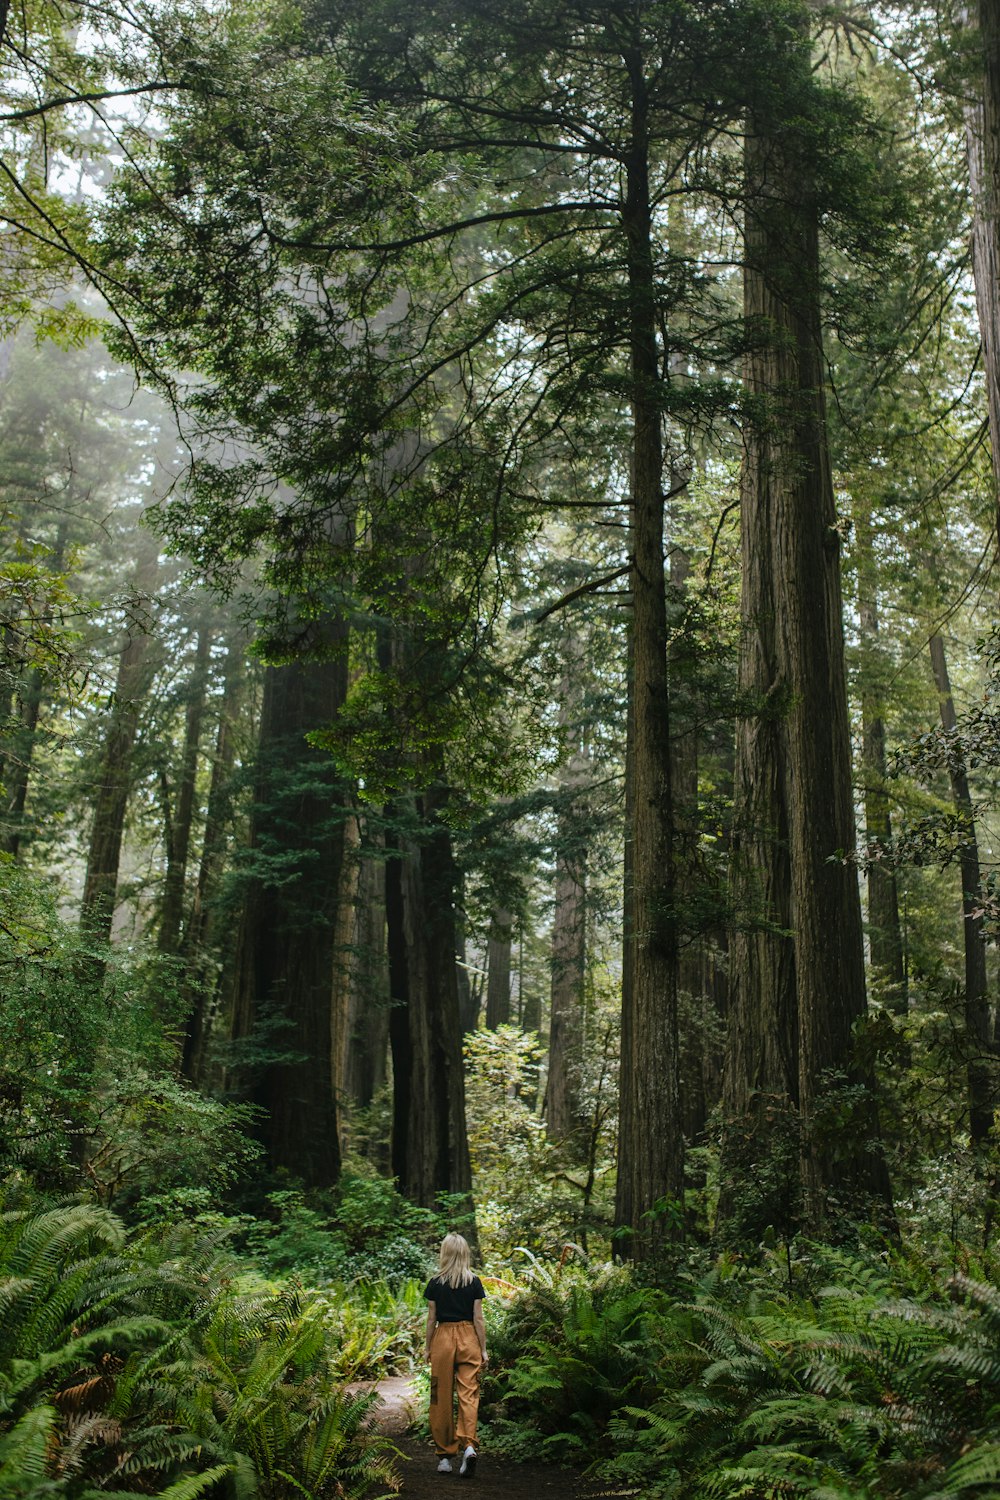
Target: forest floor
x,y
496,1478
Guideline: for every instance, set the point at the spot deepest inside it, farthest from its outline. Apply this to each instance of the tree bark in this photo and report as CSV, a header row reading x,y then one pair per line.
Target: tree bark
x,y
650,1136
114,776
469,986
430,1152
569,964
172,908
885,935
20,755
498,949
368,1009
977,1012
19,759
198,938
287,945
799,964
684,779
982,136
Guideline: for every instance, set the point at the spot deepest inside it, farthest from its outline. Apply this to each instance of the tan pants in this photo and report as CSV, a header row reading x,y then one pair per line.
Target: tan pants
x,y
456,1360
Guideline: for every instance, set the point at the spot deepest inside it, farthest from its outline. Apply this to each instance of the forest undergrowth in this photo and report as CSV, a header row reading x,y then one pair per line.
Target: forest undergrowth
x,y
177,1361
176,1321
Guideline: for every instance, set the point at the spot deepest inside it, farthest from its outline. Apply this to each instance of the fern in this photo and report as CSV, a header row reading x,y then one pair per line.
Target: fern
x,y
969,1474
127,1373
188,1488
24,1452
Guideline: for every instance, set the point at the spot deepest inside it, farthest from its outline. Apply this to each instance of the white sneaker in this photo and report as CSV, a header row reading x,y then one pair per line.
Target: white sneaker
x,y
468,1468
444,1467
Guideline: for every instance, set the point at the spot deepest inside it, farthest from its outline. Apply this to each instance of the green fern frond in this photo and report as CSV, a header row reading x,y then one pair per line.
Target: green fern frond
x,y
968,1474
188,1488
24,1453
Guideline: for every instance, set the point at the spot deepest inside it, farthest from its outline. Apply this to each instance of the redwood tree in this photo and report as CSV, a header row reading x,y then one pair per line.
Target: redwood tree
x,y
285,987
798,964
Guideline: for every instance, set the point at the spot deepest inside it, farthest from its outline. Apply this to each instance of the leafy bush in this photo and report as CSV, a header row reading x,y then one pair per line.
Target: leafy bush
x,y
363,1229
515,1169
845,1392
264,1388
568,1352
135,1366
88,1090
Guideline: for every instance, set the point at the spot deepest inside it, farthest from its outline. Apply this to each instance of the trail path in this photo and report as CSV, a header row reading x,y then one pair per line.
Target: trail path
x,y
496,1478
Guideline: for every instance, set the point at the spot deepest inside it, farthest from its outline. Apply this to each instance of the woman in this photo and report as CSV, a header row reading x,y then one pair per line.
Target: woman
x,y
456,1347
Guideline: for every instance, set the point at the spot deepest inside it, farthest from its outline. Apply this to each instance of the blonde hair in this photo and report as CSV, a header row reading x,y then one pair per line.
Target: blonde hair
x,y
453,1261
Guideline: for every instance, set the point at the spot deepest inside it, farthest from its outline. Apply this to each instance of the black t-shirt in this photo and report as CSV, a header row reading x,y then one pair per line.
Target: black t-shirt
x,y
454,1304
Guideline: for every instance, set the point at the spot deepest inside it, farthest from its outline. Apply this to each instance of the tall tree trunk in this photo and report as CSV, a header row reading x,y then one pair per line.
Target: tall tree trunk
x,y
368,1009
20,755
115,775
469,987
569,959
982,135
650,1135
198,939
172,908
19,759
977,1013
799,981
286,982
684,779
498,950
885,933
430,1152
344,966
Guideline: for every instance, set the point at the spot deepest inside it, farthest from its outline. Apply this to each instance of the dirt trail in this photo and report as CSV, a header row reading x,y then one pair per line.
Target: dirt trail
x,y
496,1478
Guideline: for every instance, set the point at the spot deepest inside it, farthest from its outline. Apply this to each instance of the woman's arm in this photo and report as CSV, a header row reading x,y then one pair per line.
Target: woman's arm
x,y
479,1324
432,1314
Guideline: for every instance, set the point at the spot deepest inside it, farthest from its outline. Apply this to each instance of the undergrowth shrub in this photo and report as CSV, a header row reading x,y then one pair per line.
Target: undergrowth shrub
x,y
363,1229
377,1327
841,1391
142,1366
568,1351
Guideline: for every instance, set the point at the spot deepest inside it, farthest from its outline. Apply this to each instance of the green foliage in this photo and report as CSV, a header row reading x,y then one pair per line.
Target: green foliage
x,y
363,1229
153,1132
837,1387
572,1351
264,1384
88,1093
512,1161
137,1367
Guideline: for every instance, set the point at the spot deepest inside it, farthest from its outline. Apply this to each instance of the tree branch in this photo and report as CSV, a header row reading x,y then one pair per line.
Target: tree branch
x,y
443,231
60,101
585,588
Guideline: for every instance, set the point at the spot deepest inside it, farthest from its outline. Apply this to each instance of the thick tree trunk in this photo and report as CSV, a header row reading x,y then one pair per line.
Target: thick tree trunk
x,y
977,1011
287,946
178,843
114,778
430,1152
498,969
650,1136
799,964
